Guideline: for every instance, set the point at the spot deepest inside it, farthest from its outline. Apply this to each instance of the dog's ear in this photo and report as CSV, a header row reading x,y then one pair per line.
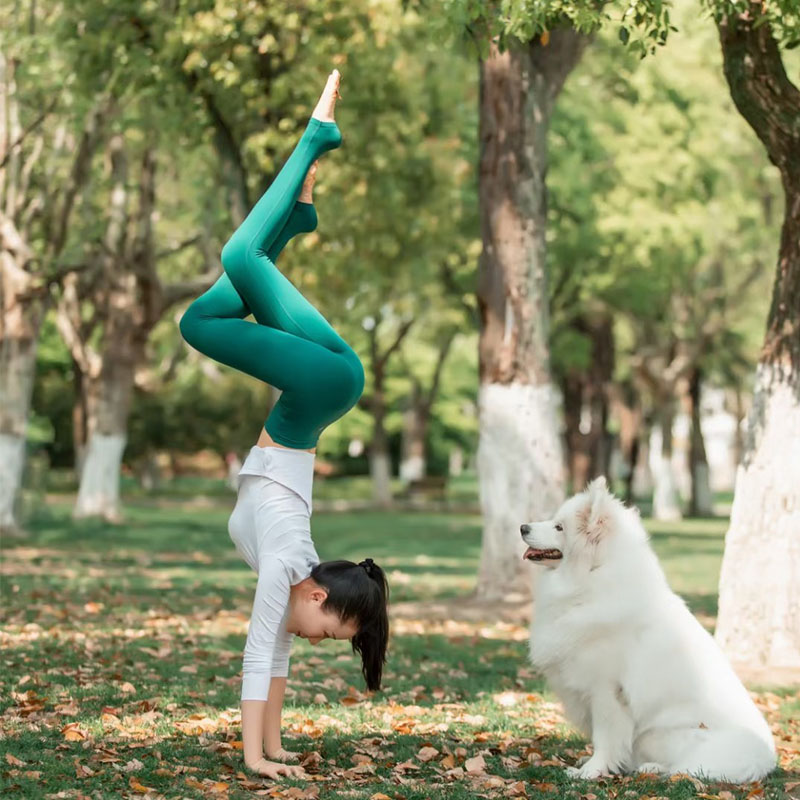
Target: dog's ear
x,y
599,484
595,520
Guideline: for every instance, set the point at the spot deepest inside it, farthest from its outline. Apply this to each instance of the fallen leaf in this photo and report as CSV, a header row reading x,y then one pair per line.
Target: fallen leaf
x,y
73,733
475,766
427,753
138,787
14,761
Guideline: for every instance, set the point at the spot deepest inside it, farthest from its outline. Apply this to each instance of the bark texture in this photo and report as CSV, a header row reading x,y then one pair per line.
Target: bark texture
x,y
759,605
520,460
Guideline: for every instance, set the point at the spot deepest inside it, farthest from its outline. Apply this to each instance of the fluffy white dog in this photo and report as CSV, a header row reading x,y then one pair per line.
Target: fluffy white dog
x,y
632,666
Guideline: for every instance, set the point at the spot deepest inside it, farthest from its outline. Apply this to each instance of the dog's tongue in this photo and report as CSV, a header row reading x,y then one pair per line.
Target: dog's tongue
x,y
529,552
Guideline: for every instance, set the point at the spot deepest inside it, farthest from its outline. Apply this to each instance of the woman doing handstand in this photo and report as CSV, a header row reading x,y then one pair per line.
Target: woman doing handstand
x,y
294,348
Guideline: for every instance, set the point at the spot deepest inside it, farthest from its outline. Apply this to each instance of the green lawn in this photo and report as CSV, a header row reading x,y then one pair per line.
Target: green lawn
x,y
122,650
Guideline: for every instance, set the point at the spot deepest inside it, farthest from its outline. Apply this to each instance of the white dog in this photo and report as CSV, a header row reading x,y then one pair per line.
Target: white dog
x,y
632,666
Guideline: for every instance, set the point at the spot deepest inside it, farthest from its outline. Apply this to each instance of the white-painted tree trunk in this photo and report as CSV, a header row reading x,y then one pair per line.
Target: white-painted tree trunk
x,y
380,470
643,483
99,489
17,368
666,499
12,463
759,589
412,461
455,462
521,468
412,468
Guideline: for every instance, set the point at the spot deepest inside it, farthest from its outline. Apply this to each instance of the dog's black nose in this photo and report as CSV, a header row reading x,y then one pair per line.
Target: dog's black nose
x,y
523,529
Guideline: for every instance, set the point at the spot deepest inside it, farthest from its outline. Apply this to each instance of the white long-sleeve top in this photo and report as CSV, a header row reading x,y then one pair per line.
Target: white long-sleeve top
x,y
270,526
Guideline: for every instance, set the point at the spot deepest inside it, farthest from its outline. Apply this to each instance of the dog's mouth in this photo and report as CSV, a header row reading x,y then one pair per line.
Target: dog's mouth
x,y
534,554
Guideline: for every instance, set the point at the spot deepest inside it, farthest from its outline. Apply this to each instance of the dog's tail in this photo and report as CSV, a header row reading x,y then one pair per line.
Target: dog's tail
x,y
736,755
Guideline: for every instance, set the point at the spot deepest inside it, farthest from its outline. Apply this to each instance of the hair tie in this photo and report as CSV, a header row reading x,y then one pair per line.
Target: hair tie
x,y
367,563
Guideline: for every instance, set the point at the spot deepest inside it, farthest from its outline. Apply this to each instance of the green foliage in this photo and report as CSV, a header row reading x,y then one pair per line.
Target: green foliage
x,y
783,16
642,25
649,219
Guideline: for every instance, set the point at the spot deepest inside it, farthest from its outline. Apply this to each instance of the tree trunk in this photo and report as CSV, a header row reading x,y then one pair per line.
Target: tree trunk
x,y
759,604
413,462
108,401
586,401
34,206
666,502
19,334
629,414
127,299
21,316
380,464
700,500
520,459
80,433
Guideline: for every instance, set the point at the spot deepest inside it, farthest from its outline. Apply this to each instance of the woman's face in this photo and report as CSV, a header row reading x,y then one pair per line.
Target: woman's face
x,y
309,621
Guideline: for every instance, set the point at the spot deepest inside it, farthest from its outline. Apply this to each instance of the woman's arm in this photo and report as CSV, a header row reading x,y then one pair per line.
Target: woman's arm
x,y
272,721
265,650
277,690
252,730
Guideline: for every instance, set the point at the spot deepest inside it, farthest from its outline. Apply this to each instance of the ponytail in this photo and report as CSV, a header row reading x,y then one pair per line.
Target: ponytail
x,y
359,592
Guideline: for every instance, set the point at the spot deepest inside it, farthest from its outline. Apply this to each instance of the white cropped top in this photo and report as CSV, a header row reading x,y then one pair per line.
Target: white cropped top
x,y
270,526
292,468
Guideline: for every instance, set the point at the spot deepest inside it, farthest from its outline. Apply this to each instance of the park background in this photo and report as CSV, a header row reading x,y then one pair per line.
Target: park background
x,y
557,258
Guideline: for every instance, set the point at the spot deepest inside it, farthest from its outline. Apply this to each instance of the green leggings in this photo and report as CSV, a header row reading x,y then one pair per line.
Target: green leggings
x,y
292,346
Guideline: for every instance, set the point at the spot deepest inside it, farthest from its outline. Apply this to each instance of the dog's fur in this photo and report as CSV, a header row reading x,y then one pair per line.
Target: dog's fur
x,y
632,666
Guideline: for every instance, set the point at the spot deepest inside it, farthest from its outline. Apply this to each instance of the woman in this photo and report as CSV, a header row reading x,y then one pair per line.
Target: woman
x,y
294,348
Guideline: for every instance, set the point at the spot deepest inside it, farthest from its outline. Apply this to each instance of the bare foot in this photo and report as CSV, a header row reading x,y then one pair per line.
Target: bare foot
x,y
327,100
308,184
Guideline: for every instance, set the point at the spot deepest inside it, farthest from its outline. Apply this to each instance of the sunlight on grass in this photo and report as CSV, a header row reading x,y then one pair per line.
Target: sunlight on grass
x,y
122,657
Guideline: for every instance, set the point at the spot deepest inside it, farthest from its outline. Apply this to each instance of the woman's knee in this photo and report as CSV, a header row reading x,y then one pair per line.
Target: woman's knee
x,y
188,324
358,377
233,254
347,380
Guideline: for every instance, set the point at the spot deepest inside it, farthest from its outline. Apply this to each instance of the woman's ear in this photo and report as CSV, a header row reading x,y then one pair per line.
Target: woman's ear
x,y
318,595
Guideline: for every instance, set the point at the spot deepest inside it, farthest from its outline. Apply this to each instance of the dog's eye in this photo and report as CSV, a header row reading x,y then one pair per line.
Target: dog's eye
x,y
559,526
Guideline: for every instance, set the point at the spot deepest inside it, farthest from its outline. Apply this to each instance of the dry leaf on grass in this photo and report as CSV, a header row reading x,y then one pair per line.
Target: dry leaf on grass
x,y
427,753
73,732
475,766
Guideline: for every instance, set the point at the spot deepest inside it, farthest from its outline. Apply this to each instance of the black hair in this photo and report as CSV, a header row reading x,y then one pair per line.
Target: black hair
x,y
359,592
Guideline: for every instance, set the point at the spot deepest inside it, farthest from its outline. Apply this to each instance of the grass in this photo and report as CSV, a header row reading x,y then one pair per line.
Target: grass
x,y
122,654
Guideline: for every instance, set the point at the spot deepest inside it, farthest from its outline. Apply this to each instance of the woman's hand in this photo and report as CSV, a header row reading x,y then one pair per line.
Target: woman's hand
x,y
283,755
271,769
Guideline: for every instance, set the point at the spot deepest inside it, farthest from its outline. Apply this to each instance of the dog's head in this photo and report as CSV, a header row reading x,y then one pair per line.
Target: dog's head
x,y
582,525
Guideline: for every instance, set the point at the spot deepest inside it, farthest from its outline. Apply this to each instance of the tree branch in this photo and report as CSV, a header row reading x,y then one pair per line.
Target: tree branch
x,y
759,86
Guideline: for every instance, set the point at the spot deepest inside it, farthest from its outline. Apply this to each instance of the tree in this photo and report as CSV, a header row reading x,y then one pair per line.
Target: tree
x,y
760,625
49,132
527,51
650,225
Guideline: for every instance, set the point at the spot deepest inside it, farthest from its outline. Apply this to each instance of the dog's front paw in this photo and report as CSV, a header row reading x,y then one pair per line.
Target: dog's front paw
x,y
651,767
592,769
